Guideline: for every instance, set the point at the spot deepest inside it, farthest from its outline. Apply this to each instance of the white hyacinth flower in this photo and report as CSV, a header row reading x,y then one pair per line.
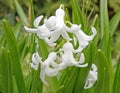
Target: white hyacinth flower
x,y
49,67
39,30
57,27
82,38
35,61
68,58
92,77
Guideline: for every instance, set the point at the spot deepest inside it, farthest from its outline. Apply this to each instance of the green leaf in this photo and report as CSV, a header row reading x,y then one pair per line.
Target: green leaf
x,y
43,50
14,55
77,16
35,82
71,80
116,85
60,89
114,22
105,44
104,20
6,81
104,74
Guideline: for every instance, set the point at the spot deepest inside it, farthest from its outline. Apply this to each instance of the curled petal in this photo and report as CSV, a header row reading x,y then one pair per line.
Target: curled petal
x,y
31,30
50,23
94,68
42,77
36,59
65,35
50,43
51,71
34,66
79,65
88,85
37,21
87,37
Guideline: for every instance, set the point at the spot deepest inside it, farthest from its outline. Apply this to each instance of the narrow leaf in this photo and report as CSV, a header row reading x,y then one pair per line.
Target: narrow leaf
x,y
76,13
5,72
116,86
114,22
14,55
104,78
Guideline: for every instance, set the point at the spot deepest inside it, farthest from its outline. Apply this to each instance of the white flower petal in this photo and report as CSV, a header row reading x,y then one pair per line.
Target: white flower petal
x,y
65,35
88,85
50,23
42,77
51,71
34,66
50,43
37,21
32,30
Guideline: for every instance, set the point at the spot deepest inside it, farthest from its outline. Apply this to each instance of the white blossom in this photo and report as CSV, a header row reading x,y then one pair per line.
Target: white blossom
x,y
68,58
92,77
48,67
82,38
50,31
57,27
35,61
39,30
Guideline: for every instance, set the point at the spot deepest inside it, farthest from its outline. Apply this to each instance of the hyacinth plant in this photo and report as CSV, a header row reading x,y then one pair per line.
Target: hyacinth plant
x,y
61,53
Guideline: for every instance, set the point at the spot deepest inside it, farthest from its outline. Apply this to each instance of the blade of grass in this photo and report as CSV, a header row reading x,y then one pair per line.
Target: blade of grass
x,y
14,54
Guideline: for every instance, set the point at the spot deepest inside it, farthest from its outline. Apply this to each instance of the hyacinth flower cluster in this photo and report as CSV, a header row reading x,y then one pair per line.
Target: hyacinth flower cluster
x,y
50,31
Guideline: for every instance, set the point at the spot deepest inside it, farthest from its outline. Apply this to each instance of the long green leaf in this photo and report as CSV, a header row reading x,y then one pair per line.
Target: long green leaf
x,y
104,75
104,25
77,16
114,22
35,83
106,37
71,80
14,54
5,73
116,86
